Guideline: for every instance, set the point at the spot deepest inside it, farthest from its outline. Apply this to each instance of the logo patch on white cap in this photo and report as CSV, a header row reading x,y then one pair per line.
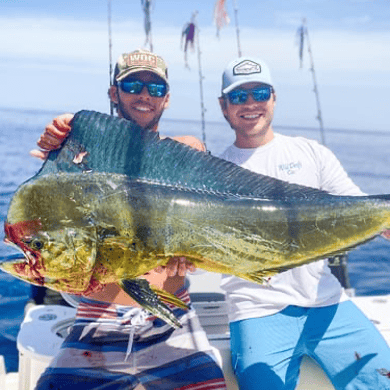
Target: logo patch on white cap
x,y
246,67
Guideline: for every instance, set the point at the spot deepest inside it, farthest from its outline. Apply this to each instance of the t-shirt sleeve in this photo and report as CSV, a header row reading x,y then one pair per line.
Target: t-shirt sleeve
x,y
333,177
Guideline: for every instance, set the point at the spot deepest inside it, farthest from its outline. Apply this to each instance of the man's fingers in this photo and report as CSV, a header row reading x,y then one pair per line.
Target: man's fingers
x,y
190,267
52,138
179,266
55,132
62,122
172,266
182,266
39,154
51,130
48,143
159,269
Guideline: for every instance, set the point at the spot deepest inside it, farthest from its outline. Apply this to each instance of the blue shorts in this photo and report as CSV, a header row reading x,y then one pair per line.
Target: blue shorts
x,y
267,352
104,351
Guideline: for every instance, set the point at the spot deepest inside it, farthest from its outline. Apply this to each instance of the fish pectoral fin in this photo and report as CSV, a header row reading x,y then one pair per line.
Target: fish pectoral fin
x,y
142,293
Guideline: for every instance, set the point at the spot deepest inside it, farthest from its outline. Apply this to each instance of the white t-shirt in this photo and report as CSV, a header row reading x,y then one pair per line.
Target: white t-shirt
x,y
301,161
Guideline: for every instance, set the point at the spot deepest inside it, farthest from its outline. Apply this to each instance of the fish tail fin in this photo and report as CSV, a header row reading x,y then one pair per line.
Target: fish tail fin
x,y
148,298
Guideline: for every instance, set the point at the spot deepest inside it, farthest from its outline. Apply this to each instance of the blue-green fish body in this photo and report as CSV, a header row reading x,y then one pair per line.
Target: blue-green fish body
x,y
116,201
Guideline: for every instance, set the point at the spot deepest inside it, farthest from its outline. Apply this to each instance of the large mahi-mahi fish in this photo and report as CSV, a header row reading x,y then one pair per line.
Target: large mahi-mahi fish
x,y
116,201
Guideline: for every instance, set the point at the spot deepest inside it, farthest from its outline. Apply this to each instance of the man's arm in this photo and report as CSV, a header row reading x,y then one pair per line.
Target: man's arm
x,y
191,141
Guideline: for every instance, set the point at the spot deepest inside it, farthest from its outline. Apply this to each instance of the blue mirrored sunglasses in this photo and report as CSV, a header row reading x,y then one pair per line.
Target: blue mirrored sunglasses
x,y
259,94
135,87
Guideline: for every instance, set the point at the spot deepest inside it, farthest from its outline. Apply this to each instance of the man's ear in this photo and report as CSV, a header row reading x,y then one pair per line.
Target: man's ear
x,y
167,100
113,92
222,103
224,107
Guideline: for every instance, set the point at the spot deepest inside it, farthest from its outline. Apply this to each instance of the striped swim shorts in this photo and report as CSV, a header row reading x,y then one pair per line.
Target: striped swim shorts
x,y
113,347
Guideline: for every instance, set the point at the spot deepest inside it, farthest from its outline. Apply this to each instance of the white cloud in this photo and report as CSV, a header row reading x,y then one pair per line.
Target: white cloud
x,y
86,43
48,53
50,38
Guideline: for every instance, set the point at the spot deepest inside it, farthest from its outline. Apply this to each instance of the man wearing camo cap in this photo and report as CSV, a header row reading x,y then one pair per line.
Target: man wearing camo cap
x,y
114,344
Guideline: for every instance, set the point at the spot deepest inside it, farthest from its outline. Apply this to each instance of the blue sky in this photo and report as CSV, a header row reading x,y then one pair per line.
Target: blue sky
x,y
54,55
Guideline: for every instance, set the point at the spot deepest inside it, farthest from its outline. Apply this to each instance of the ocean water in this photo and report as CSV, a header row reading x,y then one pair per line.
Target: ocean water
x,y
364,154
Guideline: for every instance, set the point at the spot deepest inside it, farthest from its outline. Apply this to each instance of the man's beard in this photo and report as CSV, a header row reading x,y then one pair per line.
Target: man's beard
x,y
125,115
263,129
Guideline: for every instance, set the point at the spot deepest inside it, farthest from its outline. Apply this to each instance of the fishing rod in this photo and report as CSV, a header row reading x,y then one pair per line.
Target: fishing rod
x,y
237,28
147,7
148,30
110,51
305,33
202,106
190,33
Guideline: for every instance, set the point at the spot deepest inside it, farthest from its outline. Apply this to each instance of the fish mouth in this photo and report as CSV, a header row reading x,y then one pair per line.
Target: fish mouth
x,y
30,264
12,258
24,267
9,242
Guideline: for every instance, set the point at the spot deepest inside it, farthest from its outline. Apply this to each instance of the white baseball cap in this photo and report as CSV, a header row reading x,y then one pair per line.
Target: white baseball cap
x,y
245,70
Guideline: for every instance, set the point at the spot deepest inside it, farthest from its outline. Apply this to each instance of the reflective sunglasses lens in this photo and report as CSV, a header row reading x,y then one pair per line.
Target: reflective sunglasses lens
x,y
238,96
157,90
261,94
134,87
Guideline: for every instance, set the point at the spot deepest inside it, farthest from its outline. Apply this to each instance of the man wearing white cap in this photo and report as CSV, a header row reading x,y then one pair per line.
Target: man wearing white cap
x,y
303,310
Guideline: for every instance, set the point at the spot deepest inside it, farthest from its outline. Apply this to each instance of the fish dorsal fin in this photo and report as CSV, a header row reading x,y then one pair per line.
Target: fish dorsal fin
x,y
113,145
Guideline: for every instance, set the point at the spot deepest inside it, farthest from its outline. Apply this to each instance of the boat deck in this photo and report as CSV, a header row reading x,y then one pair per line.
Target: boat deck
x,y
34,355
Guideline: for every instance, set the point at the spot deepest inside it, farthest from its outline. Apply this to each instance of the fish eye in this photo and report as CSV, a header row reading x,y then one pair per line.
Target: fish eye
x,y
36,244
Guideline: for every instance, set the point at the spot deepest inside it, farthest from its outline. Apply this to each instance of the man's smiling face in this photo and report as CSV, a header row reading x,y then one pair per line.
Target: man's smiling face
x,y
142,108
250,120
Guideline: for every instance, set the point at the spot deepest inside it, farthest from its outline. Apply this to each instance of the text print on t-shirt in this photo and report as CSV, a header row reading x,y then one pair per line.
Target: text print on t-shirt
x,y
290,168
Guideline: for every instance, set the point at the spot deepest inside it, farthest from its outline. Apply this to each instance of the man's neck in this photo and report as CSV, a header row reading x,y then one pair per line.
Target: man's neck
x,y
154,128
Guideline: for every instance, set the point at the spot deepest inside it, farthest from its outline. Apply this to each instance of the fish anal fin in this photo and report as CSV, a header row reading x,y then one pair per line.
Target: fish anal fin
x,y
143,294
169,298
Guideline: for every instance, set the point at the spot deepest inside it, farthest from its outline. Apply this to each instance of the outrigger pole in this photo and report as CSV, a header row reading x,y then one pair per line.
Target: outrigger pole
x,y
237,28
202,106
110,51
147,8
339,263
190,34
305,34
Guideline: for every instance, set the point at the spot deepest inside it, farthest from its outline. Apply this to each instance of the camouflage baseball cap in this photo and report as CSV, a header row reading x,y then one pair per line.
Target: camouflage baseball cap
x,y
140,60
